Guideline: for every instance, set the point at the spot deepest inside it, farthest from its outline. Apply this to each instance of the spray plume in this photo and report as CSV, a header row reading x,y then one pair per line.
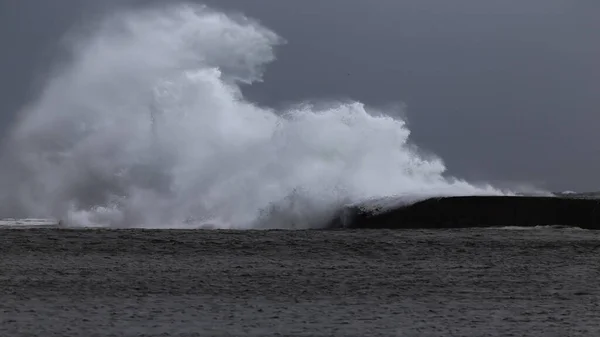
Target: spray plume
x,y
146,126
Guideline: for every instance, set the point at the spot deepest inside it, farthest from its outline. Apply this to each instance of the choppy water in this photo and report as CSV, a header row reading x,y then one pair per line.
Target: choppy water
x,y
471,282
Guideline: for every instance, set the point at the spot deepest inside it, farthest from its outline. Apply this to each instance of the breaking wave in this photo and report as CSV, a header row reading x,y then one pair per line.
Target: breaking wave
x,y
146,126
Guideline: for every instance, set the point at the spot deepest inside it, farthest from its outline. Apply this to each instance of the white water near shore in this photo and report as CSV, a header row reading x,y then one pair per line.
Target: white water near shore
x,y
146,126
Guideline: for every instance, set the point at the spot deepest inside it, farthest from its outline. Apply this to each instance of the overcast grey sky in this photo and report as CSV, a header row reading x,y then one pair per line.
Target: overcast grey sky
x,y
502,90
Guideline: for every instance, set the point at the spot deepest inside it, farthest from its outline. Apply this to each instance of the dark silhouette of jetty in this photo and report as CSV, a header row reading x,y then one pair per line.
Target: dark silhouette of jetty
x,y
573,210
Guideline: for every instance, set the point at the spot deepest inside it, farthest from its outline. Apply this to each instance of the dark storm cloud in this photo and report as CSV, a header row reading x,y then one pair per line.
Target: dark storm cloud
x,y
505,91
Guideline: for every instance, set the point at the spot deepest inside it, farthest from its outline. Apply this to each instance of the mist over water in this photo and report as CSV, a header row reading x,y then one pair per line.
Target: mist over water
x,y
146,126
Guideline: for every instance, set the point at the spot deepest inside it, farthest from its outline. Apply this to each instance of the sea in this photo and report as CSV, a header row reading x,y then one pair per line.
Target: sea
x,y
511,281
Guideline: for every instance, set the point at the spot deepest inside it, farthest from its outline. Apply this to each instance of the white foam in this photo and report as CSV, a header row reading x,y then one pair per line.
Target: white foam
x,y
28,223
146,126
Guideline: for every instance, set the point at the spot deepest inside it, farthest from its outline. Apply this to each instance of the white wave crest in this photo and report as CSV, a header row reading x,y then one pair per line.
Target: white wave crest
x,y
146,126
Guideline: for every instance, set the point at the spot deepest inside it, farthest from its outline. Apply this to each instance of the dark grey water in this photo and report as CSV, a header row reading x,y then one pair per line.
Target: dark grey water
x,y
472,282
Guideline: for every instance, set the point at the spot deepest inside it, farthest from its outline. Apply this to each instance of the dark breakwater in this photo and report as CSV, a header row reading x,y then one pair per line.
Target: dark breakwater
x,y
478,211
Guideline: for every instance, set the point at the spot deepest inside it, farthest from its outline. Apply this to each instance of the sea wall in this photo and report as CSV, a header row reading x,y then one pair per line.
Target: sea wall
x,y
477,211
